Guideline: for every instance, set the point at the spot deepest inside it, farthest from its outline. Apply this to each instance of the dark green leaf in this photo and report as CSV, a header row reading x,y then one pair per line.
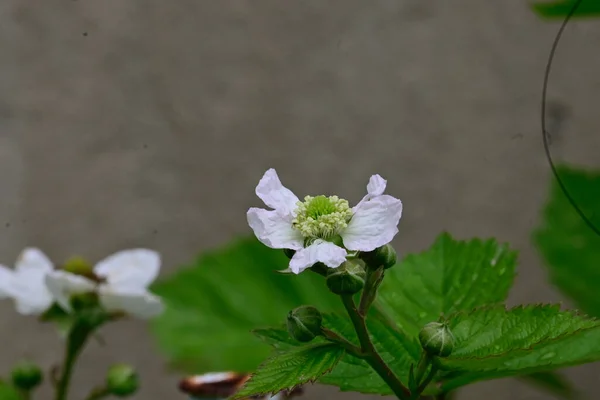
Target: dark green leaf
x,y
295,367
451,276
560,9
569,247
212,306
493,343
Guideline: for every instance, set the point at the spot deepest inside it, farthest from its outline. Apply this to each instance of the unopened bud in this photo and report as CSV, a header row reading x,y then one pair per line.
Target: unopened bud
x,y
348,278
79,266
26,376
122,380
304,323
437,339
382,256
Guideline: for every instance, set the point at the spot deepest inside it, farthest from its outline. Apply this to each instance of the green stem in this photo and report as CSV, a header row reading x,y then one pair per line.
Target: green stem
x,y
422,367
81,330
374,278
428,378
342,341
371,355
25,394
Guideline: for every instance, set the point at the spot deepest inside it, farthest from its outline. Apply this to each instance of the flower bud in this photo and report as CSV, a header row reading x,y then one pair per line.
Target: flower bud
x,y
348,278
122,380
304,323
384,255
437,339
79,266
26,376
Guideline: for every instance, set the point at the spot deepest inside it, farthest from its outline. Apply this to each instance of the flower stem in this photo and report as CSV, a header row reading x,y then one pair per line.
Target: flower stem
x,y
342,341
374,278
25,394
370,353
428,378
65,378
80,332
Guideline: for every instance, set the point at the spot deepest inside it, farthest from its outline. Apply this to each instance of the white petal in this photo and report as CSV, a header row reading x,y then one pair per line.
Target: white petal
x,y
373,224
62,285
34,303
274,230
376,185
141,304
6,282
275,195
30,293
135,268
320,251
33,259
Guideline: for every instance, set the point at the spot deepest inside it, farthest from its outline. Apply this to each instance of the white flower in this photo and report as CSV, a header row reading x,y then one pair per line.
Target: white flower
x,y
124,279
25,284
308,226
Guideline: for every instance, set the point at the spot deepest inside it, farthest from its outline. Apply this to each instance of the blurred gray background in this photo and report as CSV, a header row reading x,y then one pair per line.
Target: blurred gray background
x,y
148,123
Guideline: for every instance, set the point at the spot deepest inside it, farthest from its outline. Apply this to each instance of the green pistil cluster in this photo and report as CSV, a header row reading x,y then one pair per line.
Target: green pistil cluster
x,y
322,217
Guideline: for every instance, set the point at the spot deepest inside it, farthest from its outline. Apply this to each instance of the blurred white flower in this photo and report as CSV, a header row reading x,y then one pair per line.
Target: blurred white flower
x,y
25,284
310,227
123,280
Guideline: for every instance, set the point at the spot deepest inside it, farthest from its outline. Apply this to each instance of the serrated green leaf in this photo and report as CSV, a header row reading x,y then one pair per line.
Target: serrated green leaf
x,y
353,374
296,367
494,343
213,305
560,9
451,276
569,247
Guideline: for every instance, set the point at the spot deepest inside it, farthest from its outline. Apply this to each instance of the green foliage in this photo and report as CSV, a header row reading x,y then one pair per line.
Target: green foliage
x,y
290,369
212,306
353,374
451,276
495,342
569,247
560,9
8,392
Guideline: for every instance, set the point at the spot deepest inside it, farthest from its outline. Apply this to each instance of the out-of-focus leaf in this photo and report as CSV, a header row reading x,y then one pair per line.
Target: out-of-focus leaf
x,y
560,9
569,247
8,392
213,305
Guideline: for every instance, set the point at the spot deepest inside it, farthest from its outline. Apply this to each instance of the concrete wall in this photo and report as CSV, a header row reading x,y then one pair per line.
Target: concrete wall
x,y
148,123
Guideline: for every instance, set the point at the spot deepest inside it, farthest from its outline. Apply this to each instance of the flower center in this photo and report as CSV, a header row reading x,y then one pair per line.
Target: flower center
x,y
322,217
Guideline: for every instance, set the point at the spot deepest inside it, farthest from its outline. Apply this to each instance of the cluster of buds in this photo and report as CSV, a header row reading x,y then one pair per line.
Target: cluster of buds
x,y
222,385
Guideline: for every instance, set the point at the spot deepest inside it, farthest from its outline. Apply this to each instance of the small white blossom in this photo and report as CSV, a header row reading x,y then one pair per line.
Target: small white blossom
x,y
123,277
309,226
25,284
